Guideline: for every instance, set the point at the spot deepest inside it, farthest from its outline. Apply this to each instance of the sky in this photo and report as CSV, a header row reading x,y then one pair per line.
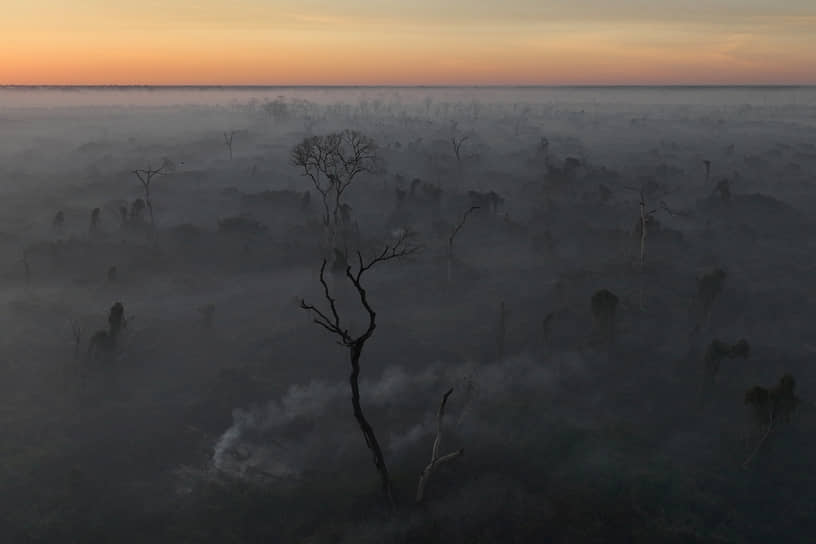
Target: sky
x,y
413,42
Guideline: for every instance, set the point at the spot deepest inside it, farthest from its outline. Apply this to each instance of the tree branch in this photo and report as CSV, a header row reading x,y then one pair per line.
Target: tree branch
x,y
436,460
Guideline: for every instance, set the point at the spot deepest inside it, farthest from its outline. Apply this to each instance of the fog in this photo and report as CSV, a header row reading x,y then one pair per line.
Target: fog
x,y
601,278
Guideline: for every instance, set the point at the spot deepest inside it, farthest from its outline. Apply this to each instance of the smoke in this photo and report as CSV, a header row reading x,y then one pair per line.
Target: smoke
x,y
312,425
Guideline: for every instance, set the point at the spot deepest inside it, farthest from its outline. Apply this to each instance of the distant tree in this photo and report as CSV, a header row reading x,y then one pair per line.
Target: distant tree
x,y
647,218
76,332
332,162
136,210
771,406
59,221
709,287
604,306
718,350
105,341
228,141
146,178
457,141
724,189
331,321
452,238
277,110
94,226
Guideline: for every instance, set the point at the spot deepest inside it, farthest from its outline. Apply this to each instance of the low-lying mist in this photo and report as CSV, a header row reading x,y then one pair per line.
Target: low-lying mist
x,y
407,315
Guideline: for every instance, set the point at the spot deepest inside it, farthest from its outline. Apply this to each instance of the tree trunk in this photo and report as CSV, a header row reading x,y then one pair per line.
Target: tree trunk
x,y
368,432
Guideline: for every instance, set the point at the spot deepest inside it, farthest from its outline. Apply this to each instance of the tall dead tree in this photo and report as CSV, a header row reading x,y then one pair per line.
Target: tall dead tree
x,y
26,268
331,321
436,459
452,237
146,177
332,162
228,141
456,143
93,228
76,331
647,218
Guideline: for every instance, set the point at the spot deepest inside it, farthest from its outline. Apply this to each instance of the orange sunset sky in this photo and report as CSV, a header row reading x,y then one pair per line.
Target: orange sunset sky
x,y
421,42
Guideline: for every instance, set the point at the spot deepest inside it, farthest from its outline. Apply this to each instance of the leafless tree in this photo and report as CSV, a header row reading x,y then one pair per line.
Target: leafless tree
x,y
456,143
331,321
146,177
76,331
94,226
452,237
646,218
228,141
27,268
332,162
436,459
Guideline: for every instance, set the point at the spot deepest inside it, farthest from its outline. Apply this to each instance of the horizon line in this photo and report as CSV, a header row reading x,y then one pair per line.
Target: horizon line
x,y
416,86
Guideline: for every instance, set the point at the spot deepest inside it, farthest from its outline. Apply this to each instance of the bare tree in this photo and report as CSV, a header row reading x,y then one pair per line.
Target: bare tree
x,y
228,141
146,177
436,459
452,237
456,143
647,217
76,331
331,321
332,162
26,268
94,226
